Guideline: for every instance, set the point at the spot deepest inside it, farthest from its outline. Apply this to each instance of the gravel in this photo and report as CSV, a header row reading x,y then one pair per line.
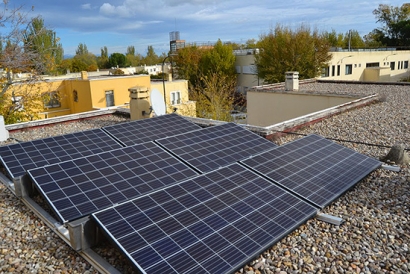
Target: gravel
x,y
374,238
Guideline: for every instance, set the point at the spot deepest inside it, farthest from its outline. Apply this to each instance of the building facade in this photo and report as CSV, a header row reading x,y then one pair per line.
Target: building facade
x,y
63,96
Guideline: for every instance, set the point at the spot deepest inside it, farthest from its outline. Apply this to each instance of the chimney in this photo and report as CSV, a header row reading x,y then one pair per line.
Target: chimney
x,y
169,77
291,81
84,75
139,103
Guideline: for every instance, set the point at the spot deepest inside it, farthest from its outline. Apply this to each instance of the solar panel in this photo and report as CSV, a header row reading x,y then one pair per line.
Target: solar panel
x,y
145,130
213,223
315,168
79,187
17,158
213,147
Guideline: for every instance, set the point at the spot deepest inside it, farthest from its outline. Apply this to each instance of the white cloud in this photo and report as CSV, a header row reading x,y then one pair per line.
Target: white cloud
x,y
86,6
109,10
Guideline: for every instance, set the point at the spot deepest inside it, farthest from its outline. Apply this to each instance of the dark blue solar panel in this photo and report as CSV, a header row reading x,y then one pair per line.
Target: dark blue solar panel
x,y
192,228
17,158
79,187
213,147
315,168
145,130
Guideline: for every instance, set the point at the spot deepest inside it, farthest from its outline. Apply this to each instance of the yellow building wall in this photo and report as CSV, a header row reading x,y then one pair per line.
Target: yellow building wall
x,y
119,85
186,107
268,108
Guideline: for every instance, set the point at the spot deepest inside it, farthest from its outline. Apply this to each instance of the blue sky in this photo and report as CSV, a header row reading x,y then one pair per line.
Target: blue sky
x,y
118,24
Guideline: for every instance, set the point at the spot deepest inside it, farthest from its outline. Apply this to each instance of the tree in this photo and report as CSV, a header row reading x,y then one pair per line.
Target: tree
x,y
132,59
220,60
212,78
151,58
102,61
214,96
117,60
356,41
17,102
44,41
83,60
284,49
390,33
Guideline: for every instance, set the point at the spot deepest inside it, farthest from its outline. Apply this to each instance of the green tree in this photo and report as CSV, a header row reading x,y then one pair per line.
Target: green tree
x,y
214,96
45,42
132,59
391,18
356,41
117,59
284,49
151,58
102,60
212,78
220,60
187,63
83,60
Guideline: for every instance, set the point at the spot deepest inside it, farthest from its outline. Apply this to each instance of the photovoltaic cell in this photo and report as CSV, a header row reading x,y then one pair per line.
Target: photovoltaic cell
x,y
17,158
145,130
213,223
79,187
213,147
315,168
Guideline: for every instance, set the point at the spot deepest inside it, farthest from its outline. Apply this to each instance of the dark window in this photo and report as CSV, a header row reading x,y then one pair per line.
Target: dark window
x,y
392,65
51,99
338,70
75,96
372,65
333,70
348,70
325,72
109,98
406,65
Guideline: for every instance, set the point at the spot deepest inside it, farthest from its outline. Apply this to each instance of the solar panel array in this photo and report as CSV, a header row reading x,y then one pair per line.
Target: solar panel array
x,y
17,158
315,168
150,197
145,130
213,223
79,187
217,146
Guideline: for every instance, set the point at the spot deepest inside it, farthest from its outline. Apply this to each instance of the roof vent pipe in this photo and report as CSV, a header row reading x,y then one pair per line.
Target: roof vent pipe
x,y
291,80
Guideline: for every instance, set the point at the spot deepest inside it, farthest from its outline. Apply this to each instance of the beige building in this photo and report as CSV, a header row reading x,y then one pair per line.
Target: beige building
x,y
377,65
384,65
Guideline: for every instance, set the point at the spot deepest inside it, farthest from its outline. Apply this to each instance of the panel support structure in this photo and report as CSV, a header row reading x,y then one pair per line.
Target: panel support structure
x,y
329,219
82,233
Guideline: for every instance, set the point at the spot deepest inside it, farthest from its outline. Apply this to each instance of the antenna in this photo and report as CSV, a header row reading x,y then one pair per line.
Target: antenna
x,y
157,102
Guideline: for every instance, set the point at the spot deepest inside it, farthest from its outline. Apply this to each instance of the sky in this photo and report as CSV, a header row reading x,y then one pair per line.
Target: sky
x,y
118,24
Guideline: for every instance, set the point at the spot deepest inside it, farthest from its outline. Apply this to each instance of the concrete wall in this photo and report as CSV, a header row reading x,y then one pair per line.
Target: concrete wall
x,y
268,108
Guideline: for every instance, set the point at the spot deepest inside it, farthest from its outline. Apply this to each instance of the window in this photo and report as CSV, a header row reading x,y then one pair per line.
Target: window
x,y
338,70
51,99
372,65
75,96
392,65
325,72
348,70
175,98
406,64
333,70
109,98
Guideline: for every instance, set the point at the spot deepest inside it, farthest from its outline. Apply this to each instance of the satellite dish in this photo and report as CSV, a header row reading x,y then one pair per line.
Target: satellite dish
x,y
157,102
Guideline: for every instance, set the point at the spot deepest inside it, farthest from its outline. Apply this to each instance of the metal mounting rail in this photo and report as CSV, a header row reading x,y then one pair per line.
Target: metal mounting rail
x,y
98,262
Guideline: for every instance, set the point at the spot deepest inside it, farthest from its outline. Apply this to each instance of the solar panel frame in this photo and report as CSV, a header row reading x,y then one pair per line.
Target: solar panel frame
x,y
76,188
17,158
211,230
314,168
217,146
146,130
